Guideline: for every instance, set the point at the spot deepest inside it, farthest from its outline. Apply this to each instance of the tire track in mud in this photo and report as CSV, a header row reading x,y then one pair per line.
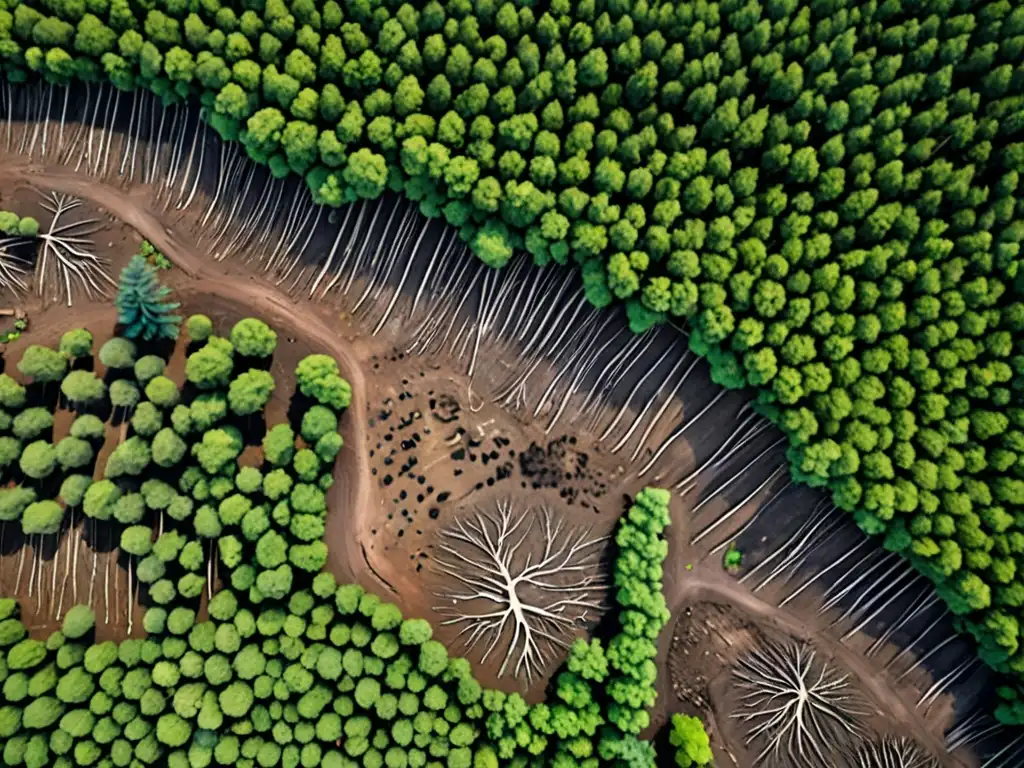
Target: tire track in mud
x,y
350,498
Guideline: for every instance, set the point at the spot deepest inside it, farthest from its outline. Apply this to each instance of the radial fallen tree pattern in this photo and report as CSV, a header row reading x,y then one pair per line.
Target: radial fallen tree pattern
x,y
799,710
522,585
66,259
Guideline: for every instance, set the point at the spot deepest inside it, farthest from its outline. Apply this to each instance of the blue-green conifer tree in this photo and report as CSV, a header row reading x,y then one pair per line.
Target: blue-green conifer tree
x,y
141,304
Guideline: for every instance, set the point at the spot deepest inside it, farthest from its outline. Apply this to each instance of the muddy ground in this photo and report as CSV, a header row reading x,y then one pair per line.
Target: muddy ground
x,y
426,444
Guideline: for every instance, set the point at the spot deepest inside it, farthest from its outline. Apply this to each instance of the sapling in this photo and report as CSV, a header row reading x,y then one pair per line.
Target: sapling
x,y
733,558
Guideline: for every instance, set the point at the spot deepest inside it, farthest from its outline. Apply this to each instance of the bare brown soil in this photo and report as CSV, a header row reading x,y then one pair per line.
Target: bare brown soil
x,y
730,621
381,533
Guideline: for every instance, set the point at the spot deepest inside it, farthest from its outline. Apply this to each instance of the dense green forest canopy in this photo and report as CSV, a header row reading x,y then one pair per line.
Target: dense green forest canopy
x,y
825,191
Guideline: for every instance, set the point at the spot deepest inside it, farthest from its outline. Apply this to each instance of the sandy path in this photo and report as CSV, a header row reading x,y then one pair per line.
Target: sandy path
x,y
350,497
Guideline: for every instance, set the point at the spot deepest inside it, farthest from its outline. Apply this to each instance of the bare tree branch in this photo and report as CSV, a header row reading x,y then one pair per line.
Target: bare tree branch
x,y
66,256
802,710
893,753
12,267
524,584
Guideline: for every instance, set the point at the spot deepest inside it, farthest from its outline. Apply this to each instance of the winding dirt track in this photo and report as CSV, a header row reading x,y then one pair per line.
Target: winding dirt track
x,y
350,498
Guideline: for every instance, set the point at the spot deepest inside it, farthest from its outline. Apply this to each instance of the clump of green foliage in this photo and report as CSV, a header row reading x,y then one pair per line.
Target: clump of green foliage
x,y
13,225
153,256
733,558
691,742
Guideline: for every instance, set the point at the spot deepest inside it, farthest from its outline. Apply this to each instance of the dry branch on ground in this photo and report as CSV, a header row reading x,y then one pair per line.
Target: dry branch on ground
x,y
66,256
524,584
897,752
798,709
